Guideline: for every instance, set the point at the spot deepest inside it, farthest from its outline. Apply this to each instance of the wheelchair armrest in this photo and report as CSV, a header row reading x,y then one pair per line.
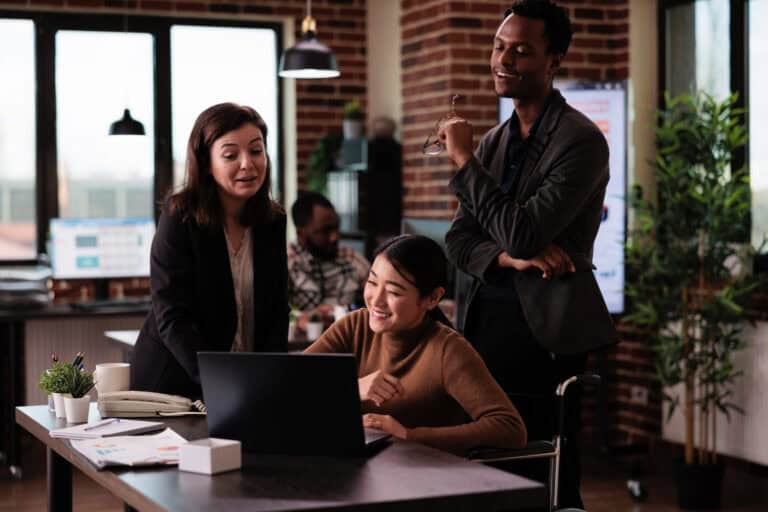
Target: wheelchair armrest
x,y
533,450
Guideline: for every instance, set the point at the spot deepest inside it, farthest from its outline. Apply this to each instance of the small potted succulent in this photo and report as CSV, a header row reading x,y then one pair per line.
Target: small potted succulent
x,y
52,382
78,382
353,120
293,318
69,384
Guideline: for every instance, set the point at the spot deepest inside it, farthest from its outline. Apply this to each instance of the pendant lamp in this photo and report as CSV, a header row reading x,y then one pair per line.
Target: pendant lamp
x,y
126,126
308,58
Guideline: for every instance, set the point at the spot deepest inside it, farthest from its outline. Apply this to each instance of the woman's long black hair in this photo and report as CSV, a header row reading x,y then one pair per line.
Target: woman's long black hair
x,y
421,262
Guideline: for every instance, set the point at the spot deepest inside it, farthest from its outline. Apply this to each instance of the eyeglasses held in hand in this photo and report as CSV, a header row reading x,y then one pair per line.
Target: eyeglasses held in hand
x,y
433,145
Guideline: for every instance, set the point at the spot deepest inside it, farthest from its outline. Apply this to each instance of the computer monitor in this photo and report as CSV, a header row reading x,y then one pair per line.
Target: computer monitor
x,y
101,248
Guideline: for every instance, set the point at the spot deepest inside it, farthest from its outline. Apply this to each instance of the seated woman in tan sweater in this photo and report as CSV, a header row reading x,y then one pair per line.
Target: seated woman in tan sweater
x,y
420,379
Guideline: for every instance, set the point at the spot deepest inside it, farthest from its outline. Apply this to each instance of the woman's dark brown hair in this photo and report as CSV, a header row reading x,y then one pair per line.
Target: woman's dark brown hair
x,y
199,199
421,262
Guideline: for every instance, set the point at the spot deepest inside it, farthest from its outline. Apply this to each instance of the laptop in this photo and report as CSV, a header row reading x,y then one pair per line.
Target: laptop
x,y
298,404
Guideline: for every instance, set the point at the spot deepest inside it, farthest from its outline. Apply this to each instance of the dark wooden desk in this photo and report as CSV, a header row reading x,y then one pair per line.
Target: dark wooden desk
x,y
11,370
403,476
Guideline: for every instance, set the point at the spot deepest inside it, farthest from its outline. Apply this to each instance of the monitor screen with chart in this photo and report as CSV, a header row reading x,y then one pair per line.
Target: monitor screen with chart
x,y
101,248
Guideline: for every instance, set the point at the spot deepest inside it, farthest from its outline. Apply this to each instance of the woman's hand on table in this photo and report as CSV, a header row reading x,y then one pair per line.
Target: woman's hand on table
x,y
379,387
386,423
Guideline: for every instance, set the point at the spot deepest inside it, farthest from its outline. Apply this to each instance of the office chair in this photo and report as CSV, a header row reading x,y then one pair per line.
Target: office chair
x,y
542,449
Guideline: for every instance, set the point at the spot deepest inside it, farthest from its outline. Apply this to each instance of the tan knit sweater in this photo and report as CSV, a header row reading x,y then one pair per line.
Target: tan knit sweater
x,y
444,378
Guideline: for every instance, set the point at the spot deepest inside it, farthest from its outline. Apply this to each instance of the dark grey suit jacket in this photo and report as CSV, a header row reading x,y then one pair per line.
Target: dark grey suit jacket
x,y
559,199
193,302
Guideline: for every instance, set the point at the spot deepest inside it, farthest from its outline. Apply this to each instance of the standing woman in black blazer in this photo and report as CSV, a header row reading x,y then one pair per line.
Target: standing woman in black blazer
x,y
218,265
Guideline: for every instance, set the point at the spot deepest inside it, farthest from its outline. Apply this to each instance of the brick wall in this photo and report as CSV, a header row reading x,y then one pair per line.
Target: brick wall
x,y
341,25
446,48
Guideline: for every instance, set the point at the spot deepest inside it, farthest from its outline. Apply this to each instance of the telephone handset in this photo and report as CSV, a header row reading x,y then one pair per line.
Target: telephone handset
x,y
134,404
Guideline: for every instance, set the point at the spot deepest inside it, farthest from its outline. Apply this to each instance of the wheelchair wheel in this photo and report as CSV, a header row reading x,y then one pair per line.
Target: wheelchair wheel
x,y
636,490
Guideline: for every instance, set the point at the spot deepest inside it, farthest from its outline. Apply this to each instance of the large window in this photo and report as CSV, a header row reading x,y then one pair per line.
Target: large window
x,y
698,47
719,47
66,77
211,65
17,140
98,74
758,118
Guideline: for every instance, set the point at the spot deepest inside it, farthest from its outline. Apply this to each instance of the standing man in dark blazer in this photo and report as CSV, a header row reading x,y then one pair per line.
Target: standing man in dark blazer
x,y
530,201
219,274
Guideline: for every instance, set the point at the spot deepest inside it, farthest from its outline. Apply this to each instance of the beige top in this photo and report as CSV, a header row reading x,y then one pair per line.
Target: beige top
x,y
451,401
241,264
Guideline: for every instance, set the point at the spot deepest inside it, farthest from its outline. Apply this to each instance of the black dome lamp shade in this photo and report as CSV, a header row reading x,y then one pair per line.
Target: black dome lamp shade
x,y
126,126
308,58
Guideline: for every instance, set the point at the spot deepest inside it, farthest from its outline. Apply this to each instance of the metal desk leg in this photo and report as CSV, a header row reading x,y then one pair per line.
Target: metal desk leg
x,y
59,483
9,455
14,465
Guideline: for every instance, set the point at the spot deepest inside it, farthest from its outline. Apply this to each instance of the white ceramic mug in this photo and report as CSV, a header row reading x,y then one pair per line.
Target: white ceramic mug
x,y
112,377
314,330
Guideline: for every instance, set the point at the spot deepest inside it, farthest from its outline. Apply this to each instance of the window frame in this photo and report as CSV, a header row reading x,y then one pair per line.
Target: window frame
x,y
739,55
46,167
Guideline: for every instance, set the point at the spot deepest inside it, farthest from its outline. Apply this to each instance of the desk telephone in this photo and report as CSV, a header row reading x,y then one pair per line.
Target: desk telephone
x,y
138,404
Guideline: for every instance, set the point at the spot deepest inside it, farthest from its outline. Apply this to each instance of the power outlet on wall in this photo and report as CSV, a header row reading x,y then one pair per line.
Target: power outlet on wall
x,y
638,395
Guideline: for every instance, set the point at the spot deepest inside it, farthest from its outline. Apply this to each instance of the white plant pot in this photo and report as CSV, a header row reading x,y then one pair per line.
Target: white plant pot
x,y
77,409
352,128
58,403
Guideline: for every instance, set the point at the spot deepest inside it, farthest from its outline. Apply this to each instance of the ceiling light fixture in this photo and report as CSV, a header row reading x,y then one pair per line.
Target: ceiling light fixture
x,y
309,58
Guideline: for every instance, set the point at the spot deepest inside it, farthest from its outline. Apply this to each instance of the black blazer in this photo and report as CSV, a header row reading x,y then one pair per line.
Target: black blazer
x,y
559,199
193,302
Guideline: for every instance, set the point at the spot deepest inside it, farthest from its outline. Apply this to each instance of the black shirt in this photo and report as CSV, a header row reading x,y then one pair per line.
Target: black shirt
x,y
500,284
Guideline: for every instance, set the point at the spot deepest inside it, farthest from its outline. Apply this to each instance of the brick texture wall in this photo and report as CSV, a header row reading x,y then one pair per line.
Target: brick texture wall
x,y
341,25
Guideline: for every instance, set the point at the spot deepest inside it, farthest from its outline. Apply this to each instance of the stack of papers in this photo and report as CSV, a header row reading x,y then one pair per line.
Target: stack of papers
x,y
106,428
162,448
22,287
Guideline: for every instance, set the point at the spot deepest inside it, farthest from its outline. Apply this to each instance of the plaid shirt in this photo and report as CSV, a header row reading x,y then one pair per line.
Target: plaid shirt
x,y
312,281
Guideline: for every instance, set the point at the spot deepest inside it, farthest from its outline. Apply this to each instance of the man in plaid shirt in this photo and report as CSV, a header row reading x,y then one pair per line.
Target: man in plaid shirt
x,y
321,274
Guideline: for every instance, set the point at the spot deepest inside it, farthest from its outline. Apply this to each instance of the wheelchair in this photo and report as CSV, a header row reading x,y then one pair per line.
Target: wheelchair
x,y
542,449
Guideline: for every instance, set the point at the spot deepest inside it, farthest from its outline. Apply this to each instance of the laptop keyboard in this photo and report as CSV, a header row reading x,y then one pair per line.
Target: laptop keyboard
x,y
372,435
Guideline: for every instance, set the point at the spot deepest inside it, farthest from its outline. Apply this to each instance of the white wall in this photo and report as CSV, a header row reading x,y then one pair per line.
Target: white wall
x,y
385,96
744,437
290,177
643,93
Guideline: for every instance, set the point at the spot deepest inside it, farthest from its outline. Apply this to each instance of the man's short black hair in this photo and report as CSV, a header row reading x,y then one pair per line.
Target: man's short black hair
x,y
302,208
557,25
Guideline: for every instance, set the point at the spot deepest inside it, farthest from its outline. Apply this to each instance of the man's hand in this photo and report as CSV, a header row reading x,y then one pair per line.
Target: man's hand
x,y
379,387
386,423
552,261
456,134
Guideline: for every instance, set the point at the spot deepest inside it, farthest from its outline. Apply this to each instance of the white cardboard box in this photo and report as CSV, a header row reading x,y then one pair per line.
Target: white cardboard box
x,y
210,456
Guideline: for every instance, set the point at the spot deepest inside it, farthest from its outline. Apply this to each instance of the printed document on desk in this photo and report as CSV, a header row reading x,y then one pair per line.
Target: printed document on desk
x,y
157,449
107,428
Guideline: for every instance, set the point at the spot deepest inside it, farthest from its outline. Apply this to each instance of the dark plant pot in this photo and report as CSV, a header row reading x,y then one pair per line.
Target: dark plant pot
x,y
699,486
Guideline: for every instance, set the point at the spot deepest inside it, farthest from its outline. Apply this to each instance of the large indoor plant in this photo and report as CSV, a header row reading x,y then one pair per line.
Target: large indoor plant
x,y
687,278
